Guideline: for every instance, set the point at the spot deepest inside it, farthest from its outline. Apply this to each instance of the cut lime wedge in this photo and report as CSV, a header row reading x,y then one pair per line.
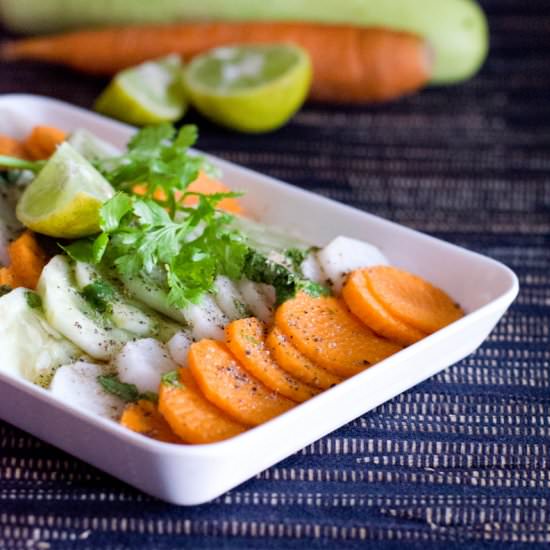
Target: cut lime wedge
x,y
149,93
253,88
65,197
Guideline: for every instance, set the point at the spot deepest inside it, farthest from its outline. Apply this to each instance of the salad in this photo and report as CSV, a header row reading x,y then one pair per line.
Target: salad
x,y
135,286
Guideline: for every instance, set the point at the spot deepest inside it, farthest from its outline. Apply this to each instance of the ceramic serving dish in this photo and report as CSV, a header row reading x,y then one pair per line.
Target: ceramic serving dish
x,y
189,475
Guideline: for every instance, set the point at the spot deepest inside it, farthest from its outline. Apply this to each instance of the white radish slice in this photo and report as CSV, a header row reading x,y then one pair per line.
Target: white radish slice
x,y
178,346
311,269
76,385
343,255
229,298
206,319
256,300
143,363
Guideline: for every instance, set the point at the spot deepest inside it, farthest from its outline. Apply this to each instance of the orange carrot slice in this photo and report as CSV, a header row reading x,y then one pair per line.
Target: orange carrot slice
x,y
359,299
203,184
144,418
296,363
412,299
191,416
208,186
11,147
7,278
42,142
245,338
327,334
27,260
225,383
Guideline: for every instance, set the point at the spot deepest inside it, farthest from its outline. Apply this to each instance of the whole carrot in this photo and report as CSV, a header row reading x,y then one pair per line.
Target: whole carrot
x,y
351,64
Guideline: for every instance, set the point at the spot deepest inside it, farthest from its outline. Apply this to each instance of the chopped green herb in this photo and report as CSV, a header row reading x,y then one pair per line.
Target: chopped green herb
x,y
33,300
171,378
111,384
14,163
99,294
296,257
260,269
159,156
150,396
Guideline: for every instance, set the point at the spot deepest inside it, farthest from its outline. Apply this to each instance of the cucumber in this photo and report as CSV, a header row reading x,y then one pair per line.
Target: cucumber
x,y
205,320
152,295
456,29
72,316
267,239
76,385
30,347
125,313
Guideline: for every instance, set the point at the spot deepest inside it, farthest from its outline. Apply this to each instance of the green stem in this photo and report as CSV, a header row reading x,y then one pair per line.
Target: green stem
x,y
14,163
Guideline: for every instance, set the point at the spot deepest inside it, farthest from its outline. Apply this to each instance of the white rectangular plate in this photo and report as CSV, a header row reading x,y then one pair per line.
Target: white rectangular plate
x,y
188,475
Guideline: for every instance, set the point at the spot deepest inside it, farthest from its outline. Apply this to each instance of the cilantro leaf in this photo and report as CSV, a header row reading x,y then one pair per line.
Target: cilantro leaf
x,y
127,392
99,294
114,210
111,384
158,162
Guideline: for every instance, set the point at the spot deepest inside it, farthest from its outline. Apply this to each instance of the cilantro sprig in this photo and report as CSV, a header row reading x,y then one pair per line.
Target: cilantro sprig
x,y
158,160
139,238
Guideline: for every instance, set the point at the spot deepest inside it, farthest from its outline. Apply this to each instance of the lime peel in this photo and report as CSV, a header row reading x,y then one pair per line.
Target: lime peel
x,y
251,88
65,197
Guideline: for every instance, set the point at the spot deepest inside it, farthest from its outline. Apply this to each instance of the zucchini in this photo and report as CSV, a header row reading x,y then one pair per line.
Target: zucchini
x,y
456,29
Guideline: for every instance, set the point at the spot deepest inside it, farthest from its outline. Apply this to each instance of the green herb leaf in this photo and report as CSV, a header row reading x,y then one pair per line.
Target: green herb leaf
x,y
99,294
114,210
171,379
14,163
111,384
33,300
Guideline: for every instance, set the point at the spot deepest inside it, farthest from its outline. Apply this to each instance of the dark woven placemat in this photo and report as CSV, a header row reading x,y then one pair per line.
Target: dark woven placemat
x,y
462,458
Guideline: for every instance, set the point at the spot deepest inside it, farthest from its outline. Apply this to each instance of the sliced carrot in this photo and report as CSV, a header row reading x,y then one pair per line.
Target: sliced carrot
x,y
225,383
203,184
412,299
329,335
208,186
245,338
11,147
191,416
27,260
42,142
7,278
144,418
360,300
289,358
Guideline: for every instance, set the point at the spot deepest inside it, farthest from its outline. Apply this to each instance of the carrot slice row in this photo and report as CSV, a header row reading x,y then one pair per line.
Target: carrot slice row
x,y
329,335
365,306
245,338
42,142
191,416
411,299
225,383
144,418
296,363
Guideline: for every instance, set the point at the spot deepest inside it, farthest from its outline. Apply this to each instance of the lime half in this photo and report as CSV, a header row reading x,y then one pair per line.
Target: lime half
x,y
149,93
253,88
65,197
